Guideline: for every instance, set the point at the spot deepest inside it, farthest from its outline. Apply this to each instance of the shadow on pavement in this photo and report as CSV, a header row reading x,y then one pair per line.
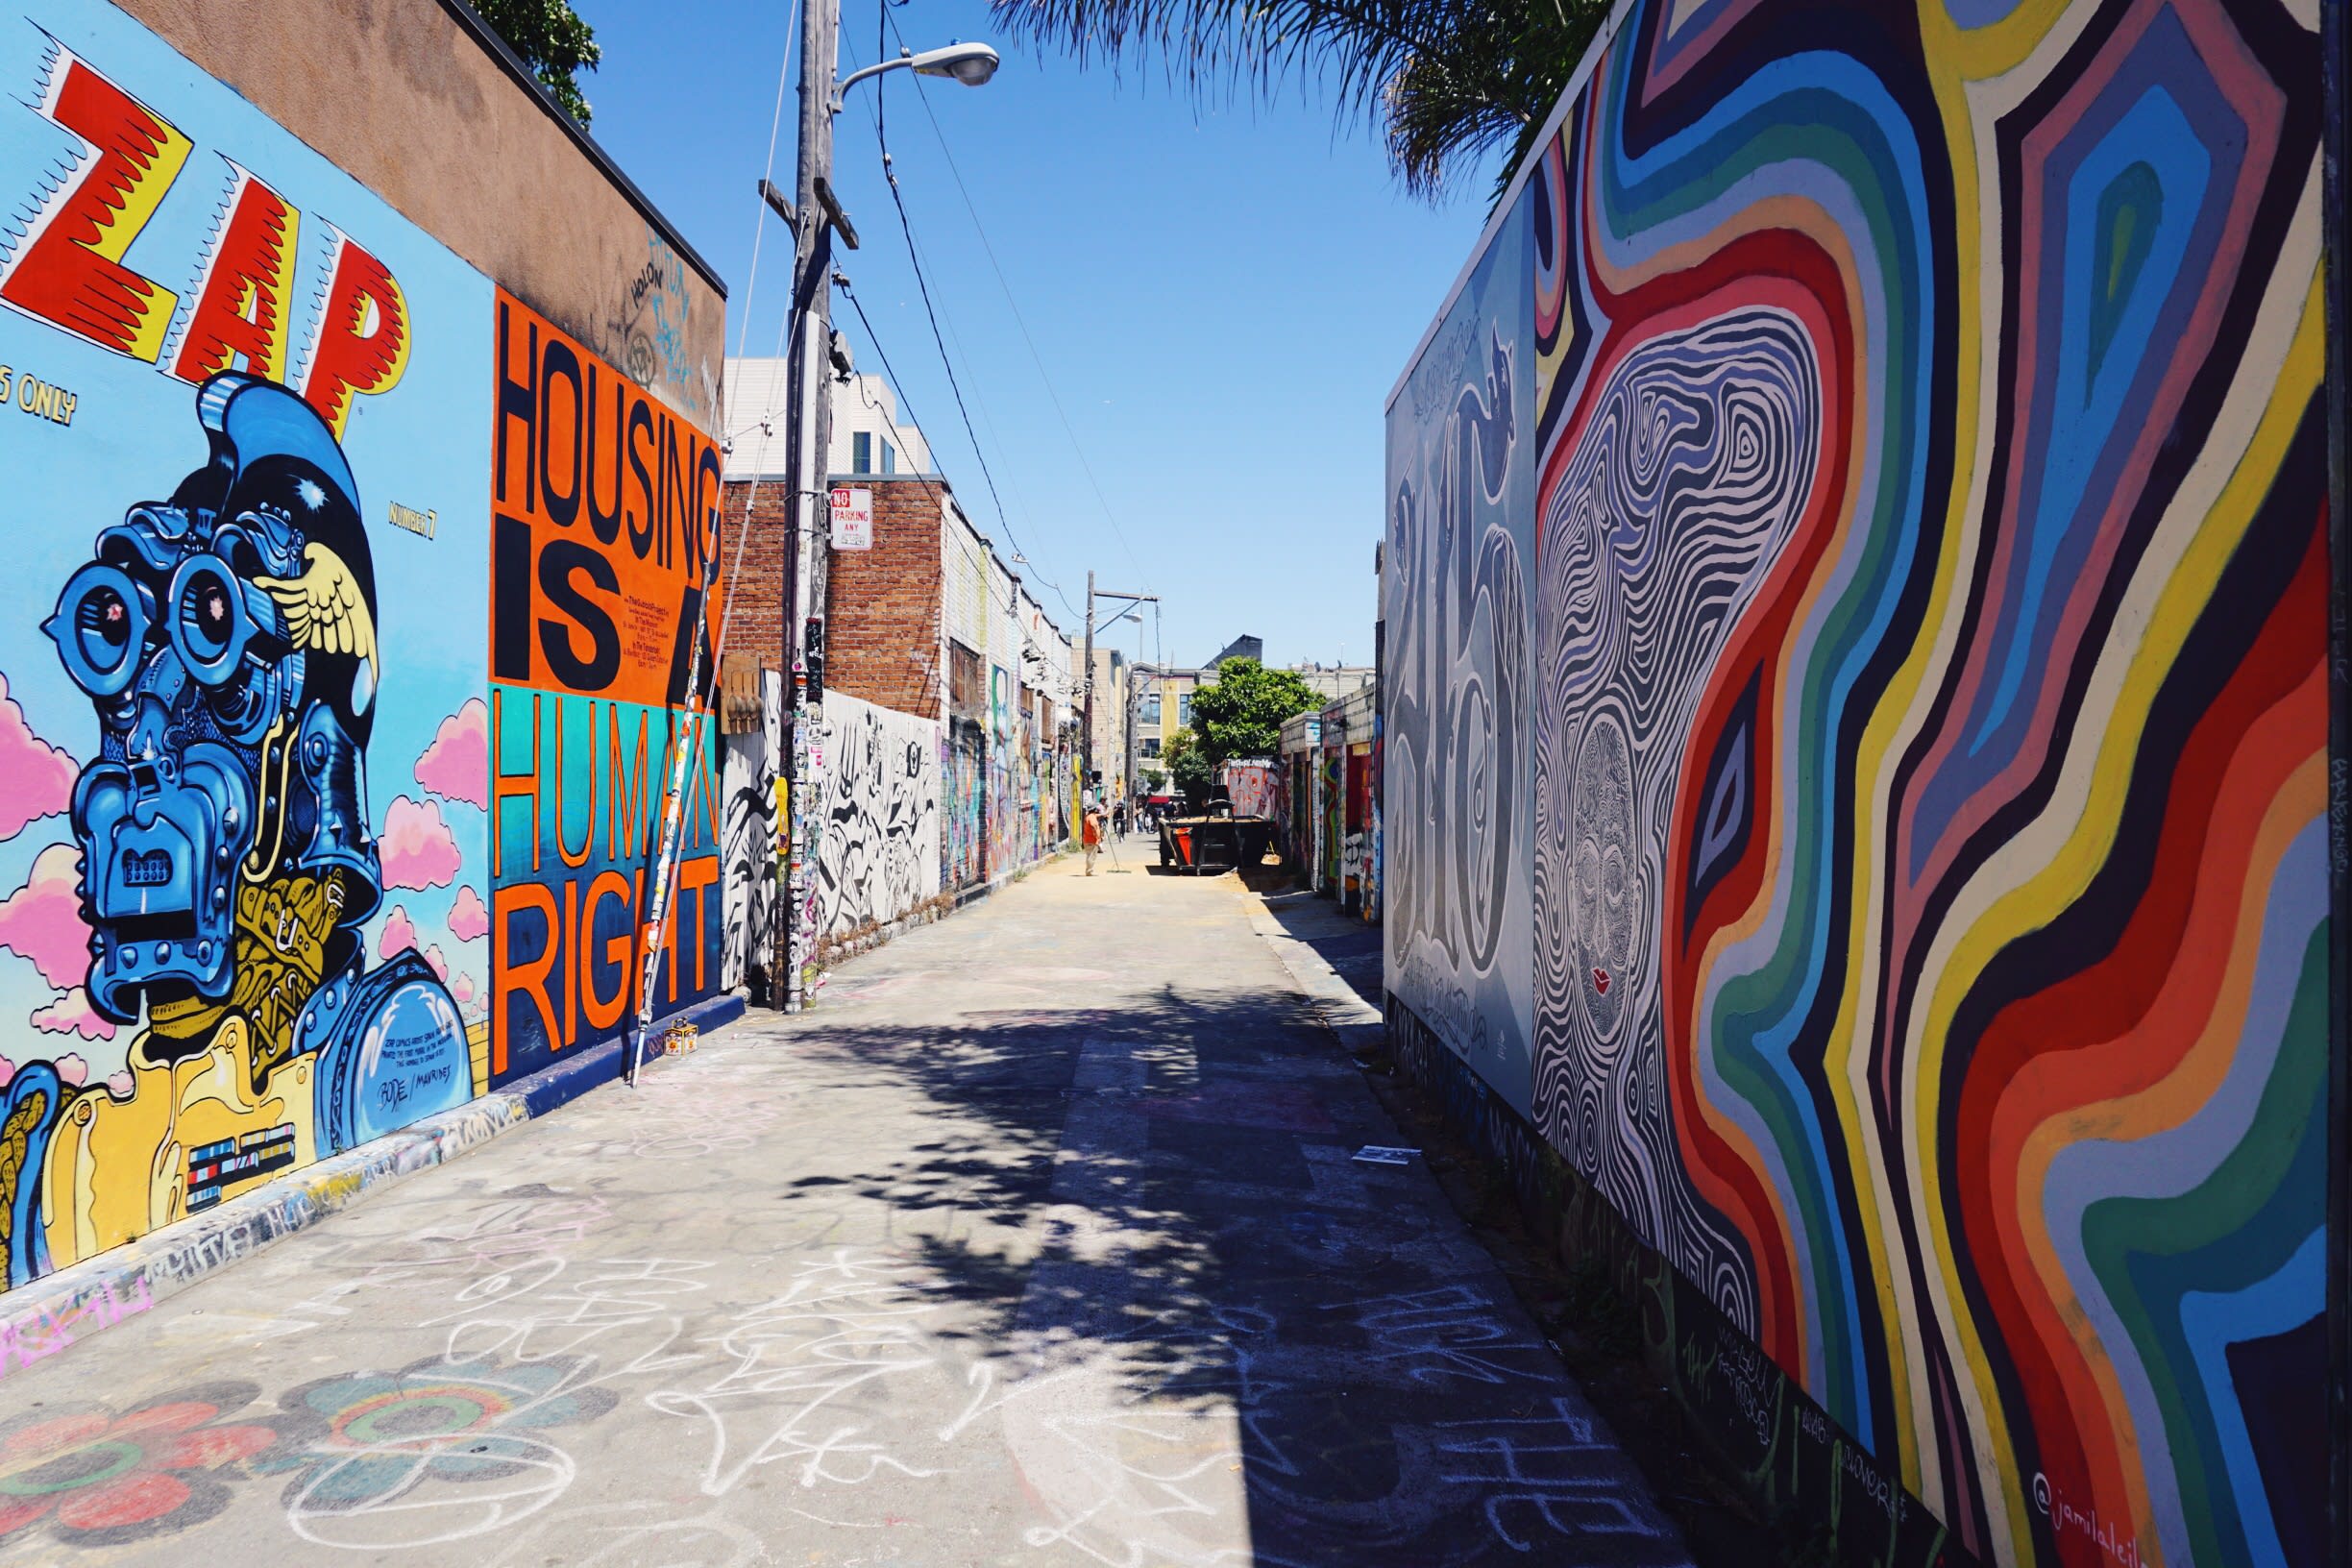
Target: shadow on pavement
x,y
1219,1286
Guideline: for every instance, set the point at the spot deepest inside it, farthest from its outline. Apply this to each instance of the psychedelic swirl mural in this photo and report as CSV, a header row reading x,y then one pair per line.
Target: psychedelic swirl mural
x,y
1894,431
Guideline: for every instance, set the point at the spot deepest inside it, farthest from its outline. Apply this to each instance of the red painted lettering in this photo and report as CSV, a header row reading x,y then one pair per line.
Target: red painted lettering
x,y
68,268
362,346
242,293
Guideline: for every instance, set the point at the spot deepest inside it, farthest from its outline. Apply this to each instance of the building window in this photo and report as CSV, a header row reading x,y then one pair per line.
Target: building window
x,y
1184,707
861,453
890,457
1151,711
1151,746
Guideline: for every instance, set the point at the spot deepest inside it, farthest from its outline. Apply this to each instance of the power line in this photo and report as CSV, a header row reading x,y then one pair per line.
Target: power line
x,y
775,125
922,284
850,293
1004,284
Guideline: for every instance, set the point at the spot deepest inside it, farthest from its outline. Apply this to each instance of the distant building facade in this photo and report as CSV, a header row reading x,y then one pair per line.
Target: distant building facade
x,y
868,440
948,754
1163,694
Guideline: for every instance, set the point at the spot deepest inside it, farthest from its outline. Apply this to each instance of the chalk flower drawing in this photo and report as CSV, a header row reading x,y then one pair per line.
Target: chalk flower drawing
x,y
382,1436
98,1479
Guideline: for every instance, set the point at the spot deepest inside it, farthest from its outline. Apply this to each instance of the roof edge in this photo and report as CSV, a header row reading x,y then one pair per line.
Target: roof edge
x,y
503,52
1577,81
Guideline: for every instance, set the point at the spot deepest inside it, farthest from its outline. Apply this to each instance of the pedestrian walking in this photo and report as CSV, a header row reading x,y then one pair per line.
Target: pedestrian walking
x,y
1091,827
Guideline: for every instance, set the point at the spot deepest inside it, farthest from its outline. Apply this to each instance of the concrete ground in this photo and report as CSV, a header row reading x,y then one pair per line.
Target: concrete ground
x,y
1040,1240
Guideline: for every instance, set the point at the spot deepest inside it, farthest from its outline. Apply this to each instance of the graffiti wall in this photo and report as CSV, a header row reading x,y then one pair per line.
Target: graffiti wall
x,y
242,851
1460,677
753,845
604,521
1357,876
1254,787
1855,728
963,804
1330,799
879,857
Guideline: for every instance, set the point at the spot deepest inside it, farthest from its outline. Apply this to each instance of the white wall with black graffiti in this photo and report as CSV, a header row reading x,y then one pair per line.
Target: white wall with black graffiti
x,y
878,850
748,765
1457,801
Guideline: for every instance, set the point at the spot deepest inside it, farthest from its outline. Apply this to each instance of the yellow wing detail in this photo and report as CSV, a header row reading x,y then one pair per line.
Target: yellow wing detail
x,y
324,607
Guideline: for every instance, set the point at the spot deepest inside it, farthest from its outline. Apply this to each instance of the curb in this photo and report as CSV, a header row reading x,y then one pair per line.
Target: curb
x,y
1359,1026
61,1310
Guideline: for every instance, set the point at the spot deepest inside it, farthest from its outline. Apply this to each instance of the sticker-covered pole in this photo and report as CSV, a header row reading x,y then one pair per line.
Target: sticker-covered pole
x,y
810,435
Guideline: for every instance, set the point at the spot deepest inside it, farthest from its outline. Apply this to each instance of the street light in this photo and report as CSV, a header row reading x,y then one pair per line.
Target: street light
x,y
814,214
970,64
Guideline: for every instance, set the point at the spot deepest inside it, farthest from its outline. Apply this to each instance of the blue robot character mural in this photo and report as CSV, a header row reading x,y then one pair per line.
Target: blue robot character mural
x,y
226,640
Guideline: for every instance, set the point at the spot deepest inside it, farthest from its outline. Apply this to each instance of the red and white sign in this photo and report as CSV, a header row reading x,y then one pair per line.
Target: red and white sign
x,y
852,518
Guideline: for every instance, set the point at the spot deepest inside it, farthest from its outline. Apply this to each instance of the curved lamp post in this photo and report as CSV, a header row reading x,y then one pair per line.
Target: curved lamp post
x,y
970,64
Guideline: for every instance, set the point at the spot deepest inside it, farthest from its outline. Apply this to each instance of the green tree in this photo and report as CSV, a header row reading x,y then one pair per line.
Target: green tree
x,y
1242,714
1444,81
1192,772
552,41
1153,780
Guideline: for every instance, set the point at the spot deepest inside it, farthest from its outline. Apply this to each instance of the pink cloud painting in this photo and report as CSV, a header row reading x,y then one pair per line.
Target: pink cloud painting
x,y
71,1071
468,920
72,1014
462,988
439,963
418,848
39,776
399,932
43,920
457,765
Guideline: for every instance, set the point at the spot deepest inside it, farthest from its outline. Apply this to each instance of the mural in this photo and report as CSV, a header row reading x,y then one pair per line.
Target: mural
x,y
1332,798
1372,848
1857,599
240,762
754,843
1008,797
605,527
1254,787
879,856
1356,873
963,807
1459,683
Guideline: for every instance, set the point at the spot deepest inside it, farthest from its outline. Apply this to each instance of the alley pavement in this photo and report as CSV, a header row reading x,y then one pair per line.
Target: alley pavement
x,y
1041,1239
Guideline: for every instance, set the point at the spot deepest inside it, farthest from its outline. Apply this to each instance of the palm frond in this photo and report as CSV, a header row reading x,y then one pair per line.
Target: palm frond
x,y
1441,80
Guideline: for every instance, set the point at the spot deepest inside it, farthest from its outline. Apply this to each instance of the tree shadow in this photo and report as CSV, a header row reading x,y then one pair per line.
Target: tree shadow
x,y
1210,1283
1349,943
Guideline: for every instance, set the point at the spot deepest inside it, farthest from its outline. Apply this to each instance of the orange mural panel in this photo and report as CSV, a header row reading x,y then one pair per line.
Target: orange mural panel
x,y
605,520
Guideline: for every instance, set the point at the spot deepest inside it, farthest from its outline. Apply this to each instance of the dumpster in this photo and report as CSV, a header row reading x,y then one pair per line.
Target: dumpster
x,y
1218,842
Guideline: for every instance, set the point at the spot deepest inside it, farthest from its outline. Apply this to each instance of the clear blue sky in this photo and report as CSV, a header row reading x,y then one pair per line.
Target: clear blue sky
x,y
1221,293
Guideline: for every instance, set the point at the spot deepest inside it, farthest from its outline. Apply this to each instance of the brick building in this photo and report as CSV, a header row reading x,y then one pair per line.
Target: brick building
x,y
930,625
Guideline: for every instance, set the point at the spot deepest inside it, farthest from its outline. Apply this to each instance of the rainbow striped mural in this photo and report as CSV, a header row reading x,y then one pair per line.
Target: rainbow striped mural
x,y
1856,722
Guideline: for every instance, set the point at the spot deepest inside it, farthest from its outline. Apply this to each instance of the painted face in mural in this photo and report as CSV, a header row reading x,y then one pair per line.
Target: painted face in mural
x,y
1604,898
226,638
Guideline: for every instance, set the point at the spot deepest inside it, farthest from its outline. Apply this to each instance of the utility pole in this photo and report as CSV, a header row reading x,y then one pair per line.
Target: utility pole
x,y
810,437
1127,604
1086,746
815,217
